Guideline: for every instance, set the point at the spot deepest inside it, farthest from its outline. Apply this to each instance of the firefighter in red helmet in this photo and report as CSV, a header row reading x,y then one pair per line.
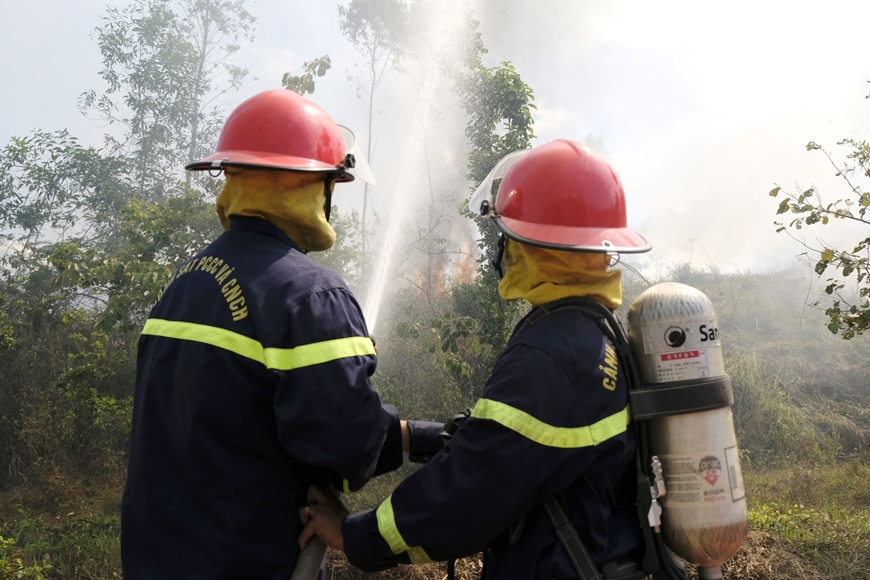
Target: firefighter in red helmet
x,y
253,367
546,456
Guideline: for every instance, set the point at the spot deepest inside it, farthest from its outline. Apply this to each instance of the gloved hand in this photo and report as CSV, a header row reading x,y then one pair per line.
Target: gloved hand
x,y
452,424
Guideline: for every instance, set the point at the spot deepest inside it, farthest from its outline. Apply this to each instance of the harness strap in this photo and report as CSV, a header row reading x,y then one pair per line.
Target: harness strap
x,y
571,541
676,398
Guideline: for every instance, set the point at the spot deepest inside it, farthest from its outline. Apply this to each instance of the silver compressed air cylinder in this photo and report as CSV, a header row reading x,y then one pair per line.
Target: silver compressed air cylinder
x,y
674,336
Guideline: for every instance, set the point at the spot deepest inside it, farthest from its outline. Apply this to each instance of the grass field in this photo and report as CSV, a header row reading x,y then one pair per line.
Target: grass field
x,y
801,411
807,522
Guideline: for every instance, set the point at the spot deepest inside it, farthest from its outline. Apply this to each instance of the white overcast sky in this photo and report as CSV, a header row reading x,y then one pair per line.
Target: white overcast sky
x,y
703,105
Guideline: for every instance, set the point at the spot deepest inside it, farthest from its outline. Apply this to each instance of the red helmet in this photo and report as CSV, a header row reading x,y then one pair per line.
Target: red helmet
x,y
278,129
563,196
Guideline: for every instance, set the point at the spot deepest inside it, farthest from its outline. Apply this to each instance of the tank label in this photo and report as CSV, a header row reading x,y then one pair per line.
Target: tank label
x,y
735,475
679,349
681,366
708,479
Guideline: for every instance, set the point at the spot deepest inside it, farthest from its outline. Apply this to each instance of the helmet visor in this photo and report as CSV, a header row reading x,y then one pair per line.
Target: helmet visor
x,y
361,168
482,201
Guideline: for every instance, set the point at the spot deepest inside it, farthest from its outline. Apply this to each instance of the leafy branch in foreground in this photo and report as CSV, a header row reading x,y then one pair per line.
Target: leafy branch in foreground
x,y
849,313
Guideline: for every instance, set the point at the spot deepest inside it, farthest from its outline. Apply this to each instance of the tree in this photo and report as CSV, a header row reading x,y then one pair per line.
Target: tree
x,y
597,142
52,188
83,214
345,257
377,29
499,104
478,323
454,66
305,82
215,28
88,235
849,313
165,64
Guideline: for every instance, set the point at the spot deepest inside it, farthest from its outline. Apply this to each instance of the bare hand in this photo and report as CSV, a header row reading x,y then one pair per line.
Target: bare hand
x,y
322,516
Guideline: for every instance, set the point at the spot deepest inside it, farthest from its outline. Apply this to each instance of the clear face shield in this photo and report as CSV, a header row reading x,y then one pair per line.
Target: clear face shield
x,y
360,168
482,201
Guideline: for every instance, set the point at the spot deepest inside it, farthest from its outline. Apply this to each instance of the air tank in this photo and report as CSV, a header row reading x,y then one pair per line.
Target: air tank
x,y
674,336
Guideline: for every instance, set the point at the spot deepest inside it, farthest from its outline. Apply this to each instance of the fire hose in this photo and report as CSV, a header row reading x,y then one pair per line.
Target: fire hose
x,y
310,560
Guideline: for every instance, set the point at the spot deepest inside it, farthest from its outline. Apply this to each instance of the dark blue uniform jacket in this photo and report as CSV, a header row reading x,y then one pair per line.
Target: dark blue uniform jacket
x,y
252,383
553,420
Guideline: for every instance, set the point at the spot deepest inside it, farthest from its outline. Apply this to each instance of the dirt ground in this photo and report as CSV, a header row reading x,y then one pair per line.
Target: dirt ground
x,y
762,557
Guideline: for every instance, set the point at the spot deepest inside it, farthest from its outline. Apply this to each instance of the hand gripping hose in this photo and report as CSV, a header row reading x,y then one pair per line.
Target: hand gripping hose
x,y
310,560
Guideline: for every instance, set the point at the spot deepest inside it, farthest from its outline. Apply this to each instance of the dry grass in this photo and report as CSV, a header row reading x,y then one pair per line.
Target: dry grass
x,y
466,569
762,557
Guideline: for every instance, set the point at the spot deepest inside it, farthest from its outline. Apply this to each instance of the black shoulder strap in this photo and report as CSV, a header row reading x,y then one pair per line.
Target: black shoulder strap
x,y
570,540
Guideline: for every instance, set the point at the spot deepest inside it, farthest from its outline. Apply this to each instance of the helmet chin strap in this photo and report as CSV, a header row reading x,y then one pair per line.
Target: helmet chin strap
x,y
499,257
327,206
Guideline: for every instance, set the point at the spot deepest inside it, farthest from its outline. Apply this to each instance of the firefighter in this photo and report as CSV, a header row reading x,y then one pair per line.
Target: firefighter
x,y
551,428
253,367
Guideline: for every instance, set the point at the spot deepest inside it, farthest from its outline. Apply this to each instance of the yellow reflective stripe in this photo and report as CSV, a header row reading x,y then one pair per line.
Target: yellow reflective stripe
x,y
540,432
219,337
279,359
287,359
390,533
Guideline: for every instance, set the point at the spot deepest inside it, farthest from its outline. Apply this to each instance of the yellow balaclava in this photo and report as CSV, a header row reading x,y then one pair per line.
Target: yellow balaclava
x,y
541,275
292,200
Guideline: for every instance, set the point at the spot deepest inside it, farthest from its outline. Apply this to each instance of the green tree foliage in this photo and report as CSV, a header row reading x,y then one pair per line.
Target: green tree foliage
x,y
499,104
378,30
88,235
53,188
214,28
109,224
7,331
304,83
849,312
597,142
12,563
165,63
153,239
344,257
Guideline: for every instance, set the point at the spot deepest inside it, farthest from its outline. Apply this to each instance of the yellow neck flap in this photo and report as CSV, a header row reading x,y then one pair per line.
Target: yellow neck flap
x,y
292,200
541,275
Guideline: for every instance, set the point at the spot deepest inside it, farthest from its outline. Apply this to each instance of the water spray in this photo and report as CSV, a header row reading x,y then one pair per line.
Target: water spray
x,y
440,44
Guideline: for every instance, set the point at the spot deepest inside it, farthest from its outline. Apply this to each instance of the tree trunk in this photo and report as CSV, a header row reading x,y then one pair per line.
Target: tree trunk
x,y
194,112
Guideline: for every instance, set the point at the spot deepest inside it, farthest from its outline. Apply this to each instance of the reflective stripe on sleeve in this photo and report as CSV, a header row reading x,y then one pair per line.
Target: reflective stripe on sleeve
x,y
306,355
279,359
390,533
540,432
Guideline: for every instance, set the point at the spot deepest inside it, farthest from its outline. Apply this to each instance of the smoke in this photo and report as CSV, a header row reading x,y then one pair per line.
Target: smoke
x,y
703,106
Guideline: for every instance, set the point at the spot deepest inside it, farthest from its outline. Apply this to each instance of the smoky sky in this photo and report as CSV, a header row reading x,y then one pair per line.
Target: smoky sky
x,y
703,107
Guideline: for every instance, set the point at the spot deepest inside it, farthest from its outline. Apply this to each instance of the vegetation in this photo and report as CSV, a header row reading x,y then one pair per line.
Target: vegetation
x,y
88,235
849,307
378,30
305,82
